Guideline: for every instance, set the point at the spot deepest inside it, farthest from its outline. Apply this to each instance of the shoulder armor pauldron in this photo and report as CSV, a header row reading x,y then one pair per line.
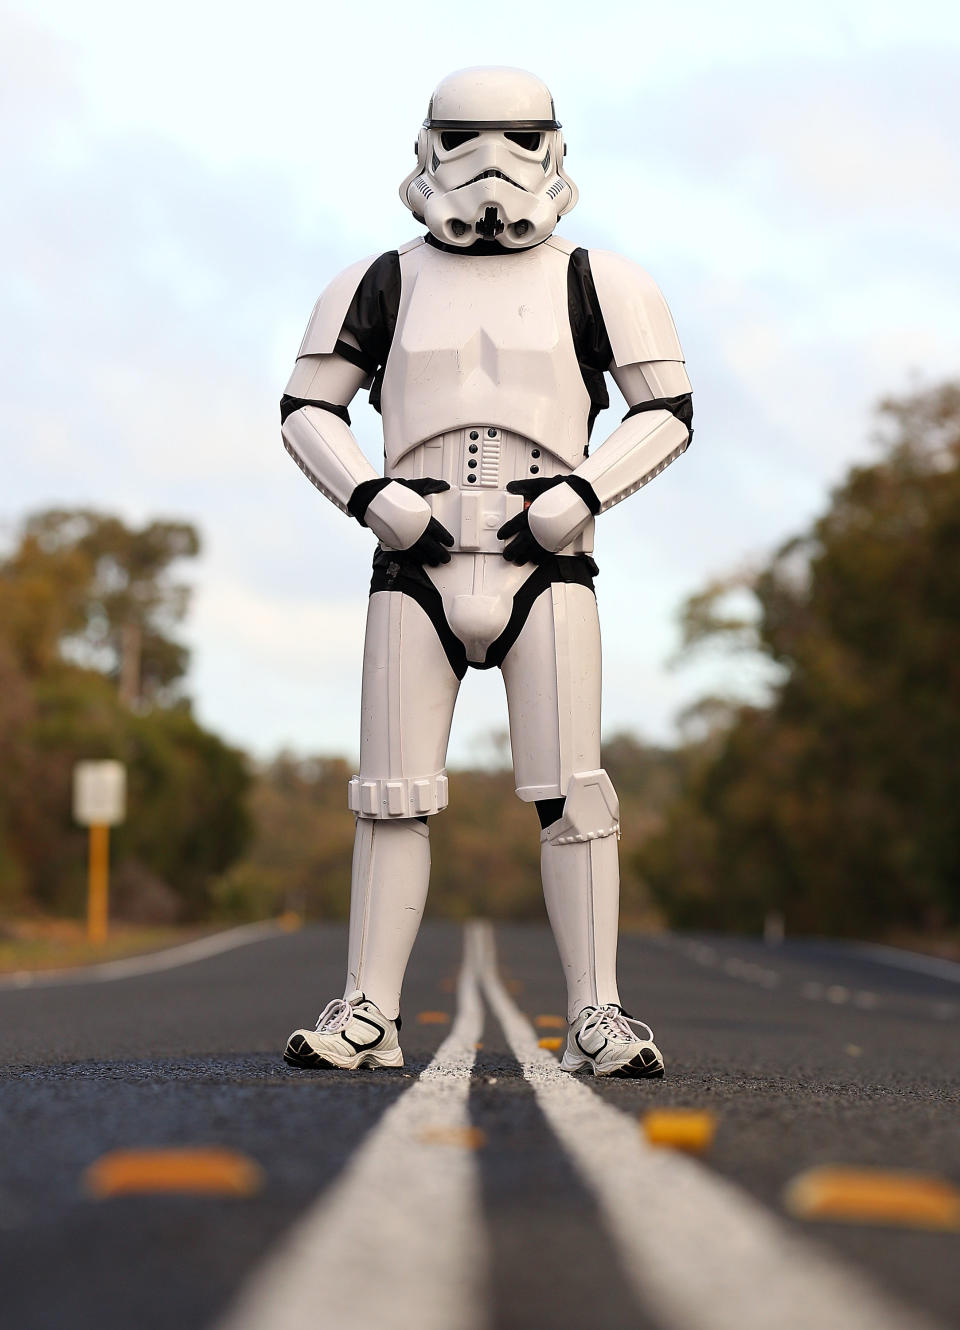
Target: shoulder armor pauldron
x,y
635,314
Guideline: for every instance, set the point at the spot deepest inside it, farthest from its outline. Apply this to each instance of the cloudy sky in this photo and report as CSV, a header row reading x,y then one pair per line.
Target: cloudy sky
x,y
181,181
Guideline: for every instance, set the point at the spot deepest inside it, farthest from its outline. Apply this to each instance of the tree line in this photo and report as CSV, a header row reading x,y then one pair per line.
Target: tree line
x,y
91,668
837,803
833,802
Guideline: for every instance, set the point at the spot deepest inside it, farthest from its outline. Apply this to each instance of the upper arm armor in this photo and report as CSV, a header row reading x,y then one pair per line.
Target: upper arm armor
x,y
356,317
635,314
657,378
330,378
331,309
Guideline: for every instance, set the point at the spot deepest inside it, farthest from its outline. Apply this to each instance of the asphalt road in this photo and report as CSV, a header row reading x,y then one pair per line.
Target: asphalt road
x,y
807,1053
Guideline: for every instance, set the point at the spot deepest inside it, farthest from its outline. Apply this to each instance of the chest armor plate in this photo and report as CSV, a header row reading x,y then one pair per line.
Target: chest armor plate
x,y
484,340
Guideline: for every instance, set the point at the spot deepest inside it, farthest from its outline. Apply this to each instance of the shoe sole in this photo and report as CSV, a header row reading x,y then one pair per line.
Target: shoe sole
x,y
298,1053
634,1070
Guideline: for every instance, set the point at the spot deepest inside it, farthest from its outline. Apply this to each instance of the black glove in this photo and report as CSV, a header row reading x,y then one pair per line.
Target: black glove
x,y
524,547
431,546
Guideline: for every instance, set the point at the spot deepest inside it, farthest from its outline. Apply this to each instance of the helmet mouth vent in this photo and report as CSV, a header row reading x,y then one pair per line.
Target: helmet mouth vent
x,y
490,224
490,175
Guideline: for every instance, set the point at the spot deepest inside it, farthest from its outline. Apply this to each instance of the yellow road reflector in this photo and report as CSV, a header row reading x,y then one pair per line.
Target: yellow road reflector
x,y
680,1128
874,1196
852,1050
290,921
468,1138
550,1022
211,1171
551,1041
433,1018
478,1045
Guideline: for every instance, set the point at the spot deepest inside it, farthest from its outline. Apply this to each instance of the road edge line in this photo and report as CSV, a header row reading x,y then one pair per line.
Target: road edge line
x,y
915,962
150,962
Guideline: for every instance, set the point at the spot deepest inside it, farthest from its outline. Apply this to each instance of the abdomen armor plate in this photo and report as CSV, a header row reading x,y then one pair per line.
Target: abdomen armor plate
x,y
484,339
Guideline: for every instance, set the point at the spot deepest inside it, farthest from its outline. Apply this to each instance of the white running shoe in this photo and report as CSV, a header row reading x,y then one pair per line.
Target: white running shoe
x,y
604,1038
351,1032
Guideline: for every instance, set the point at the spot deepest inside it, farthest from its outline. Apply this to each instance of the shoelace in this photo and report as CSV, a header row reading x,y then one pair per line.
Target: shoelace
x,y
614,1023
335,1016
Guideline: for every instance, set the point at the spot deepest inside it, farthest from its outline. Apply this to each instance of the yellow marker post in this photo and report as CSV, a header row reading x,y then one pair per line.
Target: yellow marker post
x,y
99,802
98,883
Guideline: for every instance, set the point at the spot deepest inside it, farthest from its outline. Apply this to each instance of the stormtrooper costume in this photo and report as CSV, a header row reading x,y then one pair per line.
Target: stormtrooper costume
x,y
484,345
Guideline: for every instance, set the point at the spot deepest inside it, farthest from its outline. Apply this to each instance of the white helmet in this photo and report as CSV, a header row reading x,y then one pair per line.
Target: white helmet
x,y
490,161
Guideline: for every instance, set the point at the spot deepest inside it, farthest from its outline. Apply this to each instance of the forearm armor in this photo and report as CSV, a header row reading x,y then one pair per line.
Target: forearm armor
x,y
653,434
316,434
315,425
655,431
318,438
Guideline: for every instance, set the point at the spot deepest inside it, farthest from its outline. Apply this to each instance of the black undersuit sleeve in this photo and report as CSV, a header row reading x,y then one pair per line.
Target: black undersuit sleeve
x,y
372,319
681,407
590,338
290,404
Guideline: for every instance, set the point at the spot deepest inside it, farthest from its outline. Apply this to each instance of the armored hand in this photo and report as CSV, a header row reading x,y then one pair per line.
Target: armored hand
x,y
555,511
400,517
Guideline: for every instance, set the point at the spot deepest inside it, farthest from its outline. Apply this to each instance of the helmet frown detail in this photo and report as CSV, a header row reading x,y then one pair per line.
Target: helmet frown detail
x,y
489,161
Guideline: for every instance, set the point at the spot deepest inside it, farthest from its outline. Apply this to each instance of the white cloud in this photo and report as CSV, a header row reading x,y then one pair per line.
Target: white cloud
x,y
789,177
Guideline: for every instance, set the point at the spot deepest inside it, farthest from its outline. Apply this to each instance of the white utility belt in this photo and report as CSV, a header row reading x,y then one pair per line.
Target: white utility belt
x,y
478,462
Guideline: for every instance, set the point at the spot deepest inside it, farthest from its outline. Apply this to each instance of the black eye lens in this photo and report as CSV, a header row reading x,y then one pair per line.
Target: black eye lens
x,y
452,138
524,139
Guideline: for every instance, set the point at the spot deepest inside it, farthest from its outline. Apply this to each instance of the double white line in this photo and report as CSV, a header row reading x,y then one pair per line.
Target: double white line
x,y
399,1242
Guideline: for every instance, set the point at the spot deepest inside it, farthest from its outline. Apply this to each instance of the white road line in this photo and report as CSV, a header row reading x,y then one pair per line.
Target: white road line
x,y
936,966
398,1241
131,966
700,1253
